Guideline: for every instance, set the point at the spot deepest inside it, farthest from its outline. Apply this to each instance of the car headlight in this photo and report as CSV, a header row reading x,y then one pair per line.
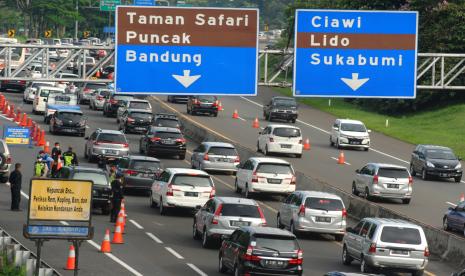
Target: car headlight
x,y
274,110
344,136
429,164
459,166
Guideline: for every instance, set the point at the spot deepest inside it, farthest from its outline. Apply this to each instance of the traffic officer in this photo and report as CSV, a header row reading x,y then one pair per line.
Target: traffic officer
x,y
113,172
56,151
40,168
15,186
116,196
70,157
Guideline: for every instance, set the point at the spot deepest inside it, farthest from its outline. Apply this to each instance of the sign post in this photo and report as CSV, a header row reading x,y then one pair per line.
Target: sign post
x,y
355,54
186,51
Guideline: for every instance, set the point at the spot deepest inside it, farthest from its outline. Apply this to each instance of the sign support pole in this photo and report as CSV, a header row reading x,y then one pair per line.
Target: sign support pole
x,y
76,244
39,244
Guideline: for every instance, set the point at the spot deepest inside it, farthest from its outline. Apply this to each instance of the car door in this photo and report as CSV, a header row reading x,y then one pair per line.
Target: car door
x,y
263,138
456,217
362,241
421,161
351,238
334,131
294,206
203,213
360,178
242,173
228,248
160,185
285,211
197,155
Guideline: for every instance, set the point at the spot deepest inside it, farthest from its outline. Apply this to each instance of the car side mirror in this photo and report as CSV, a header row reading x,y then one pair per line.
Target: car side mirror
x,y
336,128
369,131
459,158
357,171
87,138
239,166
451,208
224,237
259,133
45,100
349,230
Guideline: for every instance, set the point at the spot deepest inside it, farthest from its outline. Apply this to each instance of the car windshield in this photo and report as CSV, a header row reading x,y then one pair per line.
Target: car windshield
x,y
285,102
240,210
39,84
441,154
226,151
163,122
139,105
59,99
69,116
141,115
353,127
276,243
207,98
95,86
122,97
111,138
97,178
286,132
403,235
192,180
274,168
327,204
103,93
45,92
167,135
144,165
393,172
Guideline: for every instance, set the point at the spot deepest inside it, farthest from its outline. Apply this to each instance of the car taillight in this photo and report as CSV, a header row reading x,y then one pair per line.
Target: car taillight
x,y
254,177
22,82
126,145
181,140
372,248
375,179
344,213
212,192
130,172
196,102
216,215
271,139
262,216
8,159
215,103
97,143
112,101
410,181
86,90
130,120
99,98
293,180
302,211
206,157
299,260
155,139
248,255
170,190
426,253
237,160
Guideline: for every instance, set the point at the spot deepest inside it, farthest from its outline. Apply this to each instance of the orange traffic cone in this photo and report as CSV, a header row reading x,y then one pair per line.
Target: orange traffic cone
x,y
121,221
255,123
307,144
5,108
29,122
37,135
97,74
47,147
105,247
41,141
71,263
118,235
123,210
462,197
18,117
11,111
24,120
341,160
220,106
2,101
235,114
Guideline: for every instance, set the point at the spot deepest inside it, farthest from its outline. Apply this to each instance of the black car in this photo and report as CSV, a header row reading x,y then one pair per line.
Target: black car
x,y
139,171
113,102
203,104
69,122
107,72
261,251
283,108
166,120
178,99
436,161
17,85
163,140
101,190
135,120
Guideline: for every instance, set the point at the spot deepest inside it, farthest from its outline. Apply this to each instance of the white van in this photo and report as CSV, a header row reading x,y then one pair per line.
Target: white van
x,y
39,104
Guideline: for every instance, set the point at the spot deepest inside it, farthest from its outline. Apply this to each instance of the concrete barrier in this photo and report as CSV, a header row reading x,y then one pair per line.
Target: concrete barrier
x,y
448,247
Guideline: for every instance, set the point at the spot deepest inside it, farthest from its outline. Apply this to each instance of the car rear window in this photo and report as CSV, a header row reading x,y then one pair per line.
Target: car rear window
x,y
402,235
141,115
240,210
274,168
97,178
39,84
96,86
167,135
393,172
122,97
139,105
111,138
144,165
277,243
226,151
167,123
192,180
70,116
207,98
286,132
327,204
44,92
104,93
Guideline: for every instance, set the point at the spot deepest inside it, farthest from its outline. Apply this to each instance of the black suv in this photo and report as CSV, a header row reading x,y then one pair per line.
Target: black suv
x,y
135,120
69,122
281,108
166,120
163,140
113,102
203,104
139,172
101,190
435,161
261,250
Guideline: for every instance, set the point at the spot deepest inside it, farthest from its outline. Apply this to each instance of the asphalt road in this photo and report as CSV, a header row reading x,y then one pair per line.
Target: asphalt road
x,y
156,245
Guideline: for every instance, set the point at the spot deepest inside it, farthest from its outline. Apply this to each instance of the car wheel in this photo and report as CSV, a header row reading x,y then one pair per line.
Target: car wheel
x,y
366,149
3,179
338,237
247,193
270,117
265,151
346,258
458,179
161,208
152,203
215,114
424,174
221,267
182,156
293,121
412,170
338,146
298,155
293,230
331,143
406,201
237,272
195,233
141,150
367,194
258,147
188,110
85,153
206,240
445,224
354,189
236,186
117,120
364,267
278,222
266,116
464,229
418,273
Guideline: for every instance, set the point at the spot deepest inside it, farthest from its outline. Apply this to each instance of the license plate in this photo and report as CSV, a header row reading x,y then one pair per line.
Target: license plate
x,y
274,263
323,219
354,143
444,175
140,128
223,160
399,252
68,130
274,181
193,194
146,175
168,142
110,151
240,223
285,146
393,186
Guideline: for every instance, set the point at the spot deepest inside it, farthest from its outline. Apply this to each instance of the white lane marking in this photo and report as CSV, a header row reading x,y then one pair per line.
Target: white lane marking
x,y
347,163
153,237
268,207
452,204
136,224
176,254
158,224
6,118
242,119
196,269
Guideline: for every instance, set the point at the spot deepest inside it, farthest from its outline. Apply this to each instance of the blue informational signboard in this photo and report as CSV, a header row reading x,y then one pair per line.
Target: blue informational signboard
x,y
54,230
144,2
355,54
17,135
186,51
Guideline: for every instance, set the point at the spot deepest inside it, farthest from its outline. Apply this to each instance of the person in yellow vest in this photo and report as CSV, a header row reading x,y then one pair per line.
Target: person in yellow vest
x,y
40,168
70,158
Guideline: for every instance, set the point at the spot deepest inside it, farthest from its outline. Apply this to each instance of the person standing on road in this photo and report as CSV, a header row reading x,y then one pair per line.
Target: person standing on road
x,y
15,186
70,158
116,196
56,152
113,172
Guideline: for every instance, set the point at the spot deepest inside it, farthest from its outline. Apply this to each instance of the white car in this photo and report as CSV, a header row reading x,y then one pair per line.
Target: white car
x,y
30,91
57,100
133,104
39,104
265,175
349,133
280,139
181,188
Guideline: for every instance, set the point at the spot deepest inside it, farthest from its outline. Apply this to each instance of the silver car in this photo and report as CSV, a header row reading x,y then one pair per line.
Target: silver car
x,y
111,144
383,181
215,156
5,161
98,99
311,211
220,216
390,244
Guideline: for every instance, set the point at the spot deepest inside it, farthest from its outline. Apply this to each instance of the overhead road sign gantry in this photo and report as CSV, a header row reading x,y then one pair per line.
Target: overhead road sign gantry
x,y
186,51
355,54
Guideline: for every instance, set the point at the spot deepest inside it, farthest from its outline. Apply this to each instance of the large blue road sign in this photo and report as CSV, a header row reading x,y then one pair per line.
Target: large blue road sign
x,y
144,2
186,51
358,54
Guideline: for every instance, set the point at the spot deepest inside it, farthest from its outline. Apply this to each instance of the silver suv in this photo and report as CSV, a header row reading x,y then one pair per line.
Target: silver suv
x,y
220,216
5,162
383,181
390,244
215,156
111,144
310,211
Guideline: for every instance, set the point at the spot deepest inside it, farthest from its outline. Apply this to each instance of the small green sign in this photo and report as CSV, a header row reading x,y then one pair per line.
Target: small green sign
x,y
109,5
